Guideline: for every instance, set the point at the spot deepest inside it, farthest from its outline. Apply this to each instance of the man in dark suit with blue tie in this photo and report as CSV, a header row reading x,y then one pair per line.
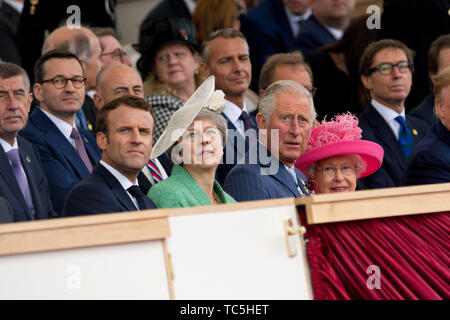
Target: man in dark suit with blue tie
x,y
225,55
285,118
125,135
22,181
386,68
68,153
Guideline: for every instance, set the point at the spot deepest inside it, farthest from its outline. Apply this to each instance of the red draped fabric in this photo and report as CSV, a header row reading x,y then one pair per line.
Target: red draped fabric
x,y
412,253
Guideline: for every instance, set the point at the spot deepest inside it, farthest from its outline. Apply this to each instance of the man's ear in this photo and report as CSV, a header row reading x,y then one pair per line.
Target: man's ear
x,y
37,91
98,101
102,141
367,82
204,69
261,121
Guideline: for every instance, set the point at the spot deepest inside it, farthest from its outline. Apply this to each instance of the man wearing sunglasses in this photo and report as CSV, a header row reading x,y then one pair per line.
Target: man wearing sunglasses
x,y
68,153
386,68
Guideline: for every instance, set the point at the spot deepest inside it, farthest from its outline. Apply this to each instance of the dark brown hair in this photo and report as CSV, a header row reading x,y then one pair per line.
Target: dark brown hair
x,y
101,125
368,55
441,42
39,72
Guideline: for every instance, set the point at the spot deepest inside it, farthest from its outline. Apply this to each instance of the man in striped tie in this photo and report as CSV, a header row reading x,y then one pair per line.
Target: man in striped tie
x,y
386,68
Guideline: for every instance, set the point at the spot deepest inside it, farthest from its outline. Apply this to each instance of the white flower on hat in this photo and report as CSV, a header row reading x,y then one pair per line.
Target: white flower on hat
x,y
216,102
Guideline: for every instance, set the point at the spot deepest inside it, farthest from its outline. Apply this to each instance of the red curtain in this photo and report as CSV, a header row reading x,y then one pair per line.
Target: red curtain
x,y
412,253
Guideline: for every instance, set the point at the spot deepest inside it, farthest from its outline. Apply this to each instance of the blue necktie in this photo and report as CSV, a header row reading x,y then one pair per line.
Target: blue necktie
x,y
405,136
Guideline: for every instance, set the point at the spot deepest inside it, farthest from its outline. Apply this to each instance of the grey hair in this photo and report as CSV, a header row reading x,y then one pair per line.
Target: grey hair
x,y
227,33
79,45
268,100
9,70
360,166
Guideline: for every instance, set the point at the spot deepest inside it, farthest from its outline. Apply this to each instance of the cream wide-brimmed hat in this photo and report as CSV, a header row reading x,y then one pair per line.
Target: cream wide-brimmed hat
x,y
203,97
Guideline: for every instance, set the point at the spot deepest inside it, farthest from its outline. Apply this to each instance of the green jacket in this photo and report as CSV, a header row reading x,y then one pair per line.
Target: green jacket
x,y
181,190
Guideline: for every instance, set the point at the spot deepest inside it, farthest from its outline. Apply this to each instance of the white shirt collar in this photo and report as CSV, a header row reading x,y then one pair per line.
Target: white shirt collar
x,y
64,127
7,147
389,116
291,170
233,112
18,6
337,33
190,4
124,182
295,19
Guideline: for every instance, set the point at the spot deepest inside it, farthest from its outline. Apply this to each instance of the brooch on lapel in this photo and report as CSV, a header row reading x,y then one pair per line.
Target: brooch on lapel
x,y
85,140
414,131
28,159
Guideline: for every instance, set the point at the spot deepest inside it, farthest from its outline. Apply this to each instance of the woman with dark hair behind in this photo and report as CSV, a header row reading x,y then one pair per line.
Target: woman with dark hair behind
x,y
335,70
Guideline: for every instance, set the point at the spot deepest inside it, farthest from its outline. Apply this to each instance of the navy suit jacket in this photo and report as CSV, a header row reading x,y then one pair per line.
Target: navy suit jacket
x,y
9,188
268,32
375,128
236,145
425,110
6,212
100,192
246,182
429,162
60,160
313,35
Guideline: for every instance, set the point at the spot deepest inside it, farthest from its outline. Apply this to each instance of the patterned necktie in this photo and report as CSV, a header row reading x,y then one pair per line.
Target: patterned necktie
x,y
154,170
405,136
136,192
80,148
246,119
13,156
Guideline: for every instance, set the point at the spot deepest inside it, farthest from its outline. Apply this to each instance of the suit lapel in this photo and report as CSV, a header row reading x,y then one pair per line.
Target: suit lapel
x,y
116,188
55,137
385,134
11,181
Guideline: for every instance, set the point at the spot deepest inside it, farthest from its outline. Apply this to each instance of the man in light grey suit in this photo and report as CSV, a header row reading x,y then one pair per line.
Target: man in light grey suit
x,y
285,118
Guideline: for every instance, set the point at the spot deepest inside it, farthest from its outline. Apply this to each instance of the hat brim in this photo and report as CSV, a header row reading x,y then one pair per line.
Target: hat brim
x,y
370,152
183,117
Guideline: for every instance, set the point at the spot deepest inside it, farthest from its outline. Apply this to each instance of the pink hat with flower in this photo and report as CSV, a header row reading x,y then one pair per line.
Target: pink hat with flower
x,y
338,137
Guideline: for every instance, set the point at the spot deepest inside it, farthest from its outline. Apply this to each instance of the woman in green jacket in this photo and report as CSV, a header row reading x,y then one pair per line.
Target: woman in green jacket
x,y
194,139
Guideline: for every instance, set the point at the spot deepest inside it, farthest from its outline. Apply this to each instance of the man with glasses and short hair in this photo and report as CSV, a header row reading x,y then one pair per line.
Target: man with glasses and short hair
x,y
386,68
112,50
68,153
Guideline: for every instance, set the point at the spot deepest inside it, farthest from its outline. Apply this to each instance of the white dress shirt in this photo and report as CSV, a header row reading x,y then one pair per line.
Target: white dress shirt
x,y
233,112
389,116
337,33
190,4
295,19
124,182
64,127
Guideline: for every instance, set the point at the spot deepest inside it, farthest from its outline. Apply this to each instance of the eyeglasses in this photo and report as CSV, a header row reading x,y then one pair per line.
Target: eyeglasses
x,y
61,82
116,54
387,68
330,171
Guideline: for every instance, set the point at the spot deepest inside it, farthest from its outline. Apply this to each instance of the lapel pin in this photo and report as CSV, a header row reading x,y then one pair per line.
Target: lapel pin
x,y
414,131
90,127
85,140
28,159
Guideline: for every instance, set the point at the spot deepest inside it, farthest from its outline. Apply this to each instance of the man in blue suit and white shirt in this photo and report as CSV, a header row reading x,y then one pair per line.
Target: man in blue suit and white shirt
x,y
386,72
125,135
68,154
225,55
285,118
22,181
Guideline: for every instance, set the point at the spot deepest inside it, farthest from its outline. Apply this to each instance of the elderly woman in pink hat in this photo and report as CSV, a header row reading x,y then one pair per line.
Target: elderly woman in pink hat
x,y
336,156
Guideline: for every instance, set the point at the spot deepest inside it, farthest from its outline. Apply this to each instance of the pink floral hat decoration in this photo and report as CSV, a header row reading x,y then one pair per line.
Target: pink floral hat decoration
x,y
341,136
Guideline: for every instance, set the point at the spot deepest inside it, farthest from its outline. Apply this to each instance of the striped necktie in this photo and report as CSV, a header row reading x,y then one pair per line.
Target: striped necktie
x,y
405,136
154,170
